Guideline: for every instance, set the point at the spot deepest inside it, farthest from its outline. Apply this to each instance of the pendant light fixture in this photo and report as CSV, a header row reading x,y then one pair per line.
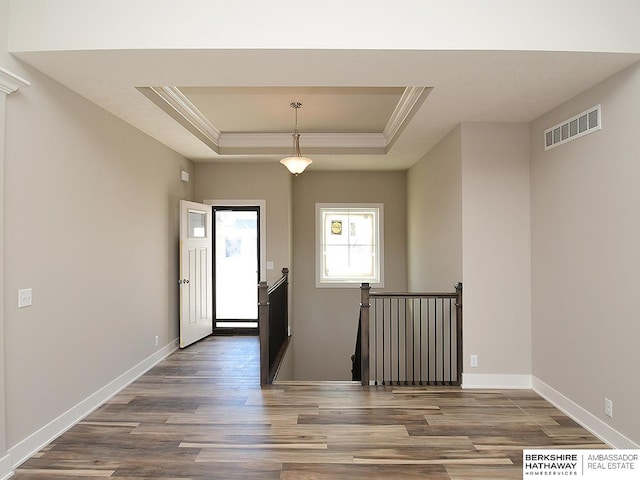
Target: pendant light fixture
x,y
296,163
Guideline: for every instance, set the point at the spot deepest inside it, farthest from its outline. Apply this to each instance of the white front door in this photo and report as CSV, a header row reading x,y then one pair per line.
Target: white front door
x,y
196,293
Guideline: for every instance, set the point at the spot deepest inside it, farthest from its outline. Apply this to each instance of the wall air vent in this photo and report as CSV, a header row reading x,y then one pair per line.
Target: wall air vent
x,y
582,124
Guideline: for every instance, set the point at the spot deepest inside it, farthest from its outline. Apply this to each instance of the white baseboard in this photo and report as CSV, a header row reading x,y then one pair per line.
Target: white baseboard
x,y
492,380
5,467
589,421
33,443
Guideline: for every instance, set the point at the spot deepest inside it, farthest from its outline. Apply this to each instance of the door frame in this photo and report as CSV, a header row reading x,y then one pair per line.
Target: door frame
x,y
262,212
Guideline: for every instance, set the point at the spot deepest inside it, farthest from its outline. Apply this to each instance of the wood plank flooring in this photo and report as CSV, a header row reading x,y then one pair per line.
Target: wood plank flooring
x,y
201,414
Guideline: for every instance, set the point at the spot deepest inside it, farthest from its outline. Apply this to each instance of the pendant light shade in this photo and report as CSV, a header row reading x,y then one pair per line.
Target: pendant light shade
x,y
296,163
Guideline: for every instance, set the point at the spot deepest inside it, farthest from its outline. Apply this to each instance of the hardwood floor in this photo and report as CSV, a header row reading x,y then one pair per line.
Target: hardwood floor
x,y
201,414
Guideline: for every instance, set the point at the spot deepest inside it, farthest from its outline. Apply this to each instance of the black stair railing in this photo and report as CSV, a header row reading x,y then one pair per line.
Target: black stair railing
x,y
409,338
273,325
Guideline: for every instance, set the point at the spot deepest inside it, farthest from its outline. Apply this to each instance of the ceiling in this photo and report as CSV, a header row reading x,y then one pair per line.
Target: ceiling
x,y
361,109
250,109
260,120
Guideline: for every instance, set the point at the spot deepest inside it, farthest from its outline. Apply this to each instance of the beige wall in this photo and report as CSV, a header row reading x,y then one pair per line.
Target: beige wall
x,y
468,220
434,218
3,444
270,182
585,255
326,319
91,224
496,248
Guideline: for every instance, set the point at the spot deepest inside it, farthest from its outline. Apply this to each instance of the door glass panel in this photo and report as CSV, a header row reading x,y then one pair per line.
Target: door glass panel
x,y
197,225
236,267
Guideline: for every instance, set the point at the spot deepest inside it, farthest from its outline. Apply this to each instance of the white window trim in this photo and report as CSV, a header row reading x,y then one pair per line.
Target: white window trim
x,y
319,252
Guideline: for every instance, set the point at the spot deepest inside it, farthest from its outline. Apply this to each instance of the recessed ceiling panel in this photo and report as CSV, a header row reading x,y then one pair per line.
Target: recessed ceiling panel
x,y
268,110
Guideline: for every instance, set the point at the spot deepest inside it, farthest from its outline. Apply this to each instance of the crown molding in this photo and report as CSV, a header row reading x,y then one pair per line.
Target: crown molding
x,y
307,140
410,100
10,82
179,107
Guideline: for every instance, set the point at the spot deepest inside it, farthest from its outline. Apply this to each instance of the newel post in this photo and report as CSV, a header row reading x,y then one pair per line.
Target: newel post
x,y
459,331
263,327
364,333
285,275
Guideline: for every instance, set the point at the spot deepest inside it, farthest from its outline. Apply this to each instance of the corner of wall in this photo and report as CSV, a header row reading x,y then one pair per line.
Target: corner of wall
x,y
34,442
496,258
589,421
434,217
5,467
584,248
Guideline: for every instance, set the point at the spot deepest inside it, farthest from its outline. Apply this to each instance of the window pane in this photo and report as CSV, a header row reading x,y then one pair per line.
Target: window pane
x,y
334,232
361,261
348,250
236,264
197,224
361,229
343,262
336,261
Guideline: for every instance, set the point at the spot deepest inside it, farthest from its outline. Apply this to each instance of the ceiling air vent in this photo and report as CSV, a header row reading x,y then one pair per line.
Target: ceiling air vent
x,y
582,124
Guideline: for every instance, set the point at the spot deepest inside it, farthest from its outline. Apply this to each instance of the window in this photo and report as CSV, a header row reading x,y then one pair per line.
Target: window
x,y
197,224
349,244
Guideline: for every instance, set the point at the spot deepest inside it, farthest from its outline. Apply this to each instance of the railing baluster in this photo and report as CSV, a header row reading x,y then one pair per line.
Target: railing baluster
x,y
428,341
398,338
382,340
406,331
442,335
375,341
390,379
413,341
450,344
420,350
391,365
389,376
443,339
435,343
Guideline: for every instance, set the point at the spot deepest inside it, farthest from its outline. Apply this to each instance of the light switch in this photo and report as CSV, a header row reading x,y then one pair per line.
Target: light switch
x,y
269,265
25,297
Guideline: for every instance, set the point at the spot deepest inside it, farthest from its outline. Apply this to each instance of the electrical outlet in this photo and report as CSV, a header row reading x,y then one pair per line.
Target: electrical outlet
x,y
474,360
608,407
157,340
25,297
